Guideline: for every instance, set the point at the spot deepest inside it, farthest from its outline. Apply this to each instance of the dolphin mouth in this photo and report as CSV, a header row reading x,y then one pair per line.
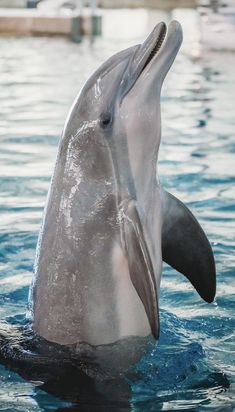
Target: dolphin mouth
x,y
162,43
149,49
156,46
154,56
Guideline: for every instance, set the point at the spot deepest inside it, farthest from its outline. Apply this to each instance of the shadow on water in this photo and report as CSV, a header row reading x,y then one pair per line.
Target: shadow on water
x,y
172,373
78,380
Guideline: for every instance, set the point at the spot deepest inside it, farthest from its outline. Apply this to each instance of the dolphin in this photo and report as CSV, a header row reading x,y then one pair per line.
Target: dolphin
x,y
108,224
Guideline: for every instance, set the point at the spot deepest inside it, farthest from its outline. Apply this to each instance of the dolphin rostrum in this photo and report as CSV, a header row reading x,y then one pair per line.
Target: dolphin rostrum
x,y
108,223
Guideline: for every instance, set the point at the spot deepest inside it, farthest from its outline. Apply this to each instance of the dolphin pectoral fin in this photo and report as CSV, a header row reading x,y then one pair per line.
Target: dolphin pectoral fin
x,y
186,248
140,265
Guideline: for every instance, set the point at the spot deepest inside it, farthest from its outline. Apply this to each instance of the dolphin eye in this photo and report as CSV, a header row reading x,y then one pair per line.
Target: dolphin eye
x,y
105,119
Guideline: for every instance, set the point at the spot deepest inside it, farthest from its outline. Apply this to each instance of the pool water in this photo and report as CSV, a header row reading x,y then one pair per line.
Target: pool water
x,y
192,367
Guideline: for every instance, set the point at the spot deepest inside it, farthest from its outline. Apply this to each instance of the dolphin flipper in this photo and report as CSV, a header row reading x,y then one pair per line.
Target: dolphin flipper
x,y
186,248
140,265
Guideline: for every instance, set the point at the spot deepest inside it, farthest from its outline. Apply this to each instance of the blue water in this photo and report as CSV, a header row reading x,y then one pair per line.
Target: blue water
x,y
192,367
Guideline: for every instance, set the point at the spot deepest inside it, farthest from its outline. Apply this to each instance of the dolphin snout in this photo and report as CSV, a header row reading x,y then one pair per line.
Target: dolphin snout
x,y
154,56
148,48
162,40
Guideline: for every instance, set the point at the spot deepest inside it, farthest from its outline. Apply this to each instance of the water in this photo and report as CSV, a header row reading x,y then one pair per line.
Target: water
x,y
192,367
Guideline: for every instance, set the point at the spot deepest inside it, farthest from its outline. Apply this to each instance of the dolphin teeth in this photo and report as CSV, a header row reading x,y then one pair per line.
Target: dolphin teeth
x,y
157,45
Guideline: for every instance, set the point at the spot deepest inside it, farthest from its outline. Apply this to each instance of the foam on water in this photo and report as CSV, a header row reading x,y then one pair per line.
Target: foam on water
x,y
192,367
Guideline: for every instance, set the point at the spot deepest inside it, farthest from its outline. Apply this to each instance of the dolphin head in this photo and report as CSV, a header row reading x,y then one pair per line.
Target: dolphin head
x,y
119,106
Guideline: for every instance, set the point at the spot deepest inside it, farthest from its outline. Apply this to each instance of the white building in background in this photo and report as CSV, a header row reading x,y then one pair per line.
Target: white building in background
x,y
13,3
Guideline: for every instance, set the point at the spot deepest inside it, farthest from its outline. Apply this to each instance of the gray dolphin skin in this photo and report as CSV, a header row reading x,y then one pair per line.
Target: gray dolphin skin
x,y
108,223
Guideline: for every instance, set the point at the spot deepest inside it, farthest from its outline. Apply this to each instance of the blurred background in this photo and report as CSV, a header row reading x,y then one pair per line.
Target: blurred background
x,y
48,49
